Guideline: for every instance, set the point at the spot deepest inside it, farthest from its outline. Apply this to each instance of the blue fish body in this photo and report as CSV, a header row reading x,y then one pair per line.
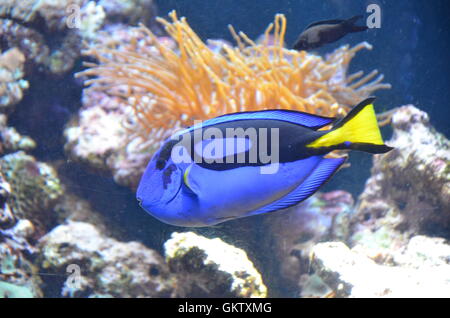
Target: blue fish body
x,y
190,192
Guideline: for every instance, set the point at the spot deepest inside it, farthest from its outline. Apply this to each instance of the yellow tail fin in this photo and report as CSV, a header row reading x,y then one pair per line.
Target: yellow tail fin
x,y
358,130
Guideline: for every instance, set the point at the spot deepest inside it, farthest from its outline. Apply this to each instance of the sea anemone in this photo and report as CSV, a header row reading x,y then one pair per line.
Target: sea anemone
x,y
171,86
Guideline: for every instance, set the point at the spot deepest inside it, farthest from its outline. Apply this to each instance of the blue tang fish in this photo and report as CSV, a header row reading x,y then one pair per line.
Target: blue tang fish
x,y
250,163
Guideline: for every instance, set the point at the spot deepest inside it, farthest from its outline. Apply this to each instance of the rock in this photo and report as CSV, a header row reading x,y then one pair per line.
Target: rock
x,y
19,236
13,291
100,137
98,140
18,276
11,140
28,35
98,132
422,250
74,208
211,268
26,24
406,195
312,286
129,11
323,217
106,266
12,84
409,189
35,189
6,216
53,12
349,273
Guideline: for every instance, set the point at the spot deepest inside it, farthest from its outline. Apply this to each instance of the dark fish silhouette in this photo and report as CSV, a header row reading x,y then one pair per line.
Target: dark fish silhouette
x,y
323,32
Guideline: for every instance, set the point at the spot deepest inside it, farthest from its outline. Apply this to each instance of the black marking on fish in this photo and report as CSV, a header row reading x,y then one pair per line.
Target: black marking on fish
x,y
164,154
292,143
167,175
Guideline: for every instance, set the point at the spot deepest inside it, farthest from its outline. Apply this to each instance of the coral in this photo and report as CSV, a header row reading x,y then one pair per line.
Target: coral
x,y
13,291
12,83
50,32
98,137
212,268
16,269
293,232
53,12
409,190
128,11
11,140
430,251
35,188
27,24
92,18
6,215
28,37
29,41
108,267
25,188
421,269
157,86
105,134
19,235
98,140
171,89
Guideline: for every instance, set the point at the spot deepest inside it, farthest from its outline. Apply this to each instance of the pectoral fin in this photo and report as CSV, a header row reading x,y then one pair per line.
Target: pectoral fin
x,y
189,182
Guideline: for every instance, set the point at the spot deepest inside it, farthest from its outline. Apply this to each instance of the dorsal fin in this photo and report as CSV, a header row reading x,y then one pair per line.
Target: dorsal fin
x,y
335,21
295,117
